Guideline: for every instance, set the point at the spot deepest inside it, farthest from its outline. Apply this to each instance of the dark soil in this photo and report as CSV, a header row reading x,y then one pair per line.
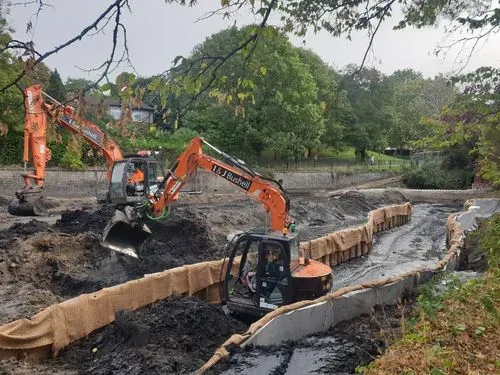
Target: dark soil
x,y
474,257
79,221
66,259
176,241
338,351
175,336
21,231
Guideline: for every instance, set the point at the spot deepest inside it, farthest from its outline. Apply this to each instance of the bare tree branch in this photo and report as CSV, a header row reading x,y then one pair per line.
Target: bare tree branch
x,y
115,6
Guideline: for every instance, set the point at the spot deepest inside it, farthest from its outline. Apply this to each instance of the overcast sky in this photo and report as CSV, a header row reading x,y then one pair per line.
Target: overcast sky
x,y
157,32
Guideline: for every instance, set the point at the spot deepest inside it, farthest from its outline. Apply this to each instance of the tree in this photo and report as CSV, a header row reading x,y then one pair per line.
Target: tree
x,y
75,87
415,98
56,87
471,122
370,95
281,112
337,111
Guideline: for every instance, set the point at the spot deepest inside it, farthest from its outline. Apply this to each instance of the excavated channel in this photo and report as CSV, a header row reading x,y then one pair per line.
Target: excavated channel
x,y
420,243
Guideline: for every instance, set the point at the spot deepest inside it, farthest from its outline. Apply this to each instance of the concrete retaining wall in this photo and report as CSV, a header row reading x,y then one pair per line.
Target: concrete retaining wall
x,y
83,183
320,317
58,182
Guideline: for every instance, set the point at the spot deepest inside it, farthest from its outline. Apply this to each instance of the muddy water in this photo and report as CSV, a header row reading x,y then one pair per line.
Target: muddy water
x,y
350,344
420,243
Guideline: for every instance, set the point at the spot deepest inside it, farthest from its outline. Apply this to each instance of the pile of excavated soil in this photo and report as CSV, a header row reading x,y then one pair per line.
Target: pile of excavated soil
x,y
175,336
21,231
68,260
338,351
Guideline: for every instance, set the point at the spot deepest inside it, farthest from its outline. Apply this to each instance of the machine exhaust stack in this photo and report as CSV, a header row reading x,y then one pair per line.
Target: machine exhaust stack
x,y
123,235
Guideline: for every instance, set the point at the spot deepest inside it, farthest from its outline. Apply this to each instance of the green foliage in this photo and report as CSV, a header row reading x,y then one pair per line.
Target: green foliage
x,y
75,86
11,110
431,175
490,241
432,294
343,18
336,108
72,157
278,107
11,153
413,99
170,145
370,96
471,122
56,87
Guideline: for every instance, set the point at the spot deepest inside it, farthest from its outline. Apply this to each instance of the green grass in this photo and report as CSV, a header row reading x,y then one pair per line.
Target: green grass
x,y
348,155
334,161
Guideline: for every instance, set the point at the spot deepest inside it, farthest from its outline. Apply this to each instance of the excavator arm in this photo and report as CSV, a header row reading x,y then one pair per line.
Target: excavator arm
x,y
37,113
266,191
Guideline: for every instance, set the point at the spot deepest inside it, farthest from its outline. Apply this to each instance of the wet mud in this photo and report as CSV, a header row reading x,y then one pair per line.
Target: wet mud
x,y
420,243
338,351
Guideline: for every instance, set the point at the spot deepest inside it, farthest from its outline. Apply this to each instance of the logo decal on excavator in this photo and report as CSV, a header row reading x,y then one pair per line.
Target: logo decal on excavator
x,y
235,178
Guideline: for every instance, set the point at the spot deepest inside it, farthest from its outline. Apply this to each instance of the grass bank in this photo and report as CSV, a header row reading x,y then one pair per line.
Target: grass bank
x,y
458,331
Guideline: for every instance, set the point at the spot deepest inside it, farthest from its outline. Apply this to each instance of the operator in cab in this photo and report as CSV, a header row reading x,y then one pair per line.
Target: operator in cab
x,y
135,181
274,271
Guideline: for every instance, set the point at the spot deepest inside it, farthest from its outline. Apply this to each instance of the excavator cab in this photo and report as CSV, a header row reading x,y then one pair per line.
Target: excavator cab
x,y
265,271
133,179
258,277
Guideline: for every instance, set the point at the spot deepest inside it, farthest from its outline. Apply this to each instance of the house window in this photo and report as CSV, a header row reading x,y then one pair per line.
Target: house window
x,y
141,116
115,112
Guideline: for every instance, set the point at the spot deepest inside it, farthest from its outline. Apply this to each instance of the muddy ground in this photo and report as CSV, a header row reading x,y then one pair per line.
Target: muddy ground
x,y
338,351
41,264
420,243
174,336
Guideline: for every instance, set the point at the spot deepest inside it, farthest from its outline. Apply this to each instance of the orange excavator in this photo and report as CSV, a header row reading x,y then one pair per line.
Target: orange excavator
x,y
37,114
271,271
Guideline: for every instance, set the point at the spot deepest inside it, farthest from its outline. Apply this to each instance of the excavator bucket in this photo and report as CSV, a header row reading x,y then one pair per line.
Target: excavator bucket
x,y
124,236
18,207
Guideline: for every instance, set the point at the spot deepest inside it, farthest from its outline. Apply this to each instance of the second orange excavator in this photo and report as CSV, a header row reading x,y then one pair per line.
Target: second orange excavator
x,y
38,112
